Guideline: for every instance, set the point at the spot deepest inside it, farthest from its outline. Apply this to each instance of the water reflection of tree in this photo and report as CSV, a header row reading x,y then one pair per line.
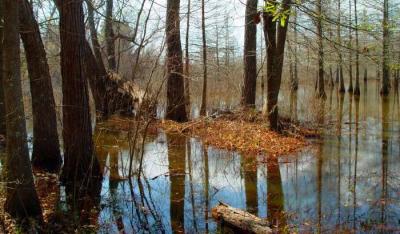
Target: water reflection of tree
x,y
385,151
275,196
339,158
177,163
249,170
320,159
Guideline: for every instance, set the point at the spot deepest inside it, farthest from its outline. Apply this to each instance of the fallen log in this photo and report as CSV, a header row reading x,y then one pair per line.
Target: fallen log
x,y
240,219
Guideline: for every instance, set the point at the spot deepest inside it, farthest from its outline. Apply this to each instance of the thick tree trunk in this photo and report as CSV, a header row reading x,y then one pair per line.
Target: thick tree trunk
x,y
203,108
46,147
175,83
80,164
2,106
321,80
110,37
385,53
250,56
275,39
21,197
239,219
111,94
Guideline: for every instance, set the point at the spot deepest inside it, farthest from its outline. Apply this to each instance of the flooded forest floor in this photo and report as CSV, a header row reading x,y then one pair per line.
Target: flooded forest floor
x,y
246,132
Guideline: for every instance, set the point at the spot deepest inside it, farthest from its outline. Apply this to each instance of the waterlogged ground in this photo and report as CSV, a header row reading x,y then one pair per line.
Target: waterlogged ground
x,y
349,181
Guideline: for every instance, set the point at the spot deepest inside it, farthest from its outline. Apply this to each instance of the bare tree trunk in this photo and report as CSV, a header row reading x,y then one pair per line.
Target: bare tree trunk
x,y
109,33
93,34
46,147
80,164
187,61
357,88
21,197
203,108
250,56
342,88
2,106
295,82
365,74
175,82
321,80
385,53
350,89
275,39
217,48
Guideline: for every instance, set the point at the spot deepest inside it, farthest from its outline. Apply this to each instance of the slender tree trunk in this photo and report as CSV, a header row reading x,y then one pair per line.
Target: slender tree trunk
x,y
357,88
2,106
21,197
350,89
187,61
342,89
321,80
81,168
109,33
46,147
203,108
295,82
175,82
275,38
385,53
217,48
93,34
365,74
250,56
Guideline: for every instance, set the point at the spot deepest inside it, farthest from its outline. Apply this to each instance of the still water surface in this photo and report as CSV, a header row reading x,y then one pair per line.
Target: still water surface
x,y
348,181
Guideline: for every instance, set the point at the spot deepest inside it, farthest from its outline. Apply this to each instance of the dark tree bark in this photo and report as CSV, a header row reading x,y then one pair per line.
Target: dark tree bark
x,y
365,74
21,197
46,147
203,108
385,53
110,94
110,37
275,39
357,88
81,167
321,80
175,83
2,106
250,55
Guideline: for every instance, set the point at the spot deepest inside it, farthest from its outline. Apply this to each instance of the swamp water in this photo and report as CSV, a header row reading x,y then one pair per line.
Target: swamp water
x,y
349,180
